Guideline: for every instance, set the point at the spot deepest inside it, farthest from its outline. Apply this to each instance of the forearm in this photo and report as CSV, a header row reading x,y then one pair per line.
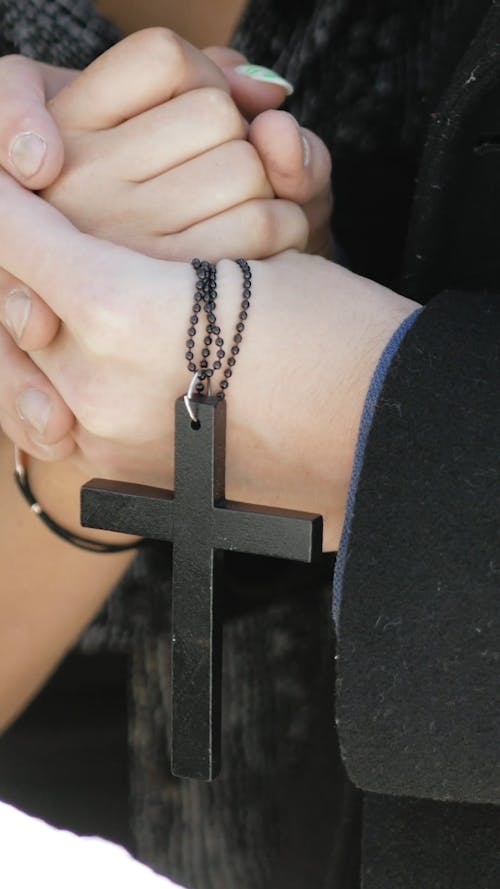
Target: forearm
x,y
297,394
50,590
313,338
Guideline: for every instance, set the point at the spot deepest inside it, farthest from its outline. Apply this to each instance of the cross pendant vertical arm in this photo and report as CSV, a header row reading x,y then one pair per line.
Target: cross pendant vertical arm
x,y
196,614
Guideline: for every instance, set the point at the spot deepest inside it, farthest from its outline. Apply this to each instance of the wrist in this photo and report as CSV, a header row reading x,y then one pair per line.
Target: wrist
x,y
314,337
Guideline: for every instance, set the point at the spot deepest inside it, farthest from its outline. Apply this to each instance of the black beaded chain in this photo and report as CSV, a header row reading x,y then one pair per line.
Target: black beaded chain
x,y
206,297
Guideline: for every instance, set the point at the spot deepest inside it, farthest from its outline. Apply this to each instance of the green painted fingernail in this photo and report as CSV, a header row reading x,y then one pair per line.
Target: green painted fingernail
x,y
265,75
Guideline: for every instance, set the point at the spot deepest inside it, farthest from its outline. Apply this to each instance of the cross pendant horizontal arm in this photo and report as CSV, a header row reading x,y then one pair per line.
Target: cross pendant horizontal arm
x,y
119,506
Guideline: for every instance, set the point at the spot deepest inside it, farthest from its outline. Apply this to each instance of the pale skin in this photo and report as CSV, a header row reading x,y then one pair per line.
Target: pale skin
x,y
35,629
282,450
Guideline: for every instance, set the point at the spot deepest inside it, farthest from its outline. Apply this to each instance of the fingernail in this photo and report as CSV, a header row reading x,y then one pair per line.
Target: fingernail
x,y
34,407
306,149
265,75
27,153
17,311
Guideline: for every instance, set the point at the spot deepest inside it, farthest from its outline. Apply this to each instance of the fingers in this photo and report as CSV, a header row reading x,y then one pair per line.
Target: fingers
x,y
81,278
253,88
32,414
163,138
27,318
31,149
256,230
298,165
172,201
199,189
225,57
155,64
39,246
296,161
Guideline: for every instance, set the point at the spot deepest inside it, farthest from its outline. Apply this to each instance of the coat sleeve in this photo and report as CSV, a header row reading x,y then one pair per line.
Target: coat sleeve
x,y
418,572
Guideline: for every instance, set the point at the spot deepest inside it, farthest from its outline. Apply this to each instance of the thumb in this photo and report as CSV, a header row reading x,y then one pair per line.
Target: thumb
x,y
253,87
297,162
31,148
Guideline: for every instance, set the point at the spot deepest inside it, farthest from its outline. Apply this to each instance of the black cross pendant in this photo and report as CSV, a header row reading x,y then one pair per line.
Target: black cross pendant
x,y
199,522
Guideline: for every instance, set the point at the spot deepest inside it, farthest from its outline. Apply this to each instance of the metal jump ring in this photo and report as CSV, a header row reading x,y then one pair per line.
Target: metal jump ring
x,y
188,399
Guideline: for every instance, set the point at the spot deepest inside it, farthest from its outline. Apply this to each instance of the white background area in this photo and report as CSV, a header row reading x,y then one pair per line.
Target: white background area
x,y
34,855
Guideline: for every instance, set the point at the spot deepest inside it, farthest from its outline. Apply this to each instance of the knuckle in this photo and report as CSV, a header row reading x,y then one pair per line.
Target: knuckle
x,y
303,231
278,225
164,46
249,161
263,225
10,62
223,111
247,154
299,226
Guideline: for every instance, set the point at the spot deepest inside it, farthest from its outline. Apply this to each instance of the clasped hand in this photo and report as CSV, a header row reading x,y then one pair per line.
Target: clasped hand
x,y
157,157
106,333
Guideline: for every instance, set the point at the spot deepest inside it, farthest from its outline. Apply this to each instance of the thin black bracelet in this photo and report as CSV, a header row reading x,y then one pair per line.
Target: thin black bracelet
x,y
93,546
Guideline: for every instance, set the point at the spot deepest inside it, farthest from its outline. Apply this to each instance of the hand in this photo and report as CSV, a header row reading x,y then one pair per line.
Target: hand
x,y
52,419
157,163
26,86
28,133
298,389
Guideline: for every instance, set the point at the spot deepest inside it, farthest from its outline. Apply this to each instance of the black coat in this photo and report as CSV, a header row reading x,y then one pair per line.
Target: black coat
x,y
418,653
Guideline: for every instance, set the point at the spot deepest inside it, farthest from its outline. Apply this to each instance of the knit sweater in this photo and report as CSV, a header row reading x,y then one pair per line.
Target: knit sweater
x,y
282,813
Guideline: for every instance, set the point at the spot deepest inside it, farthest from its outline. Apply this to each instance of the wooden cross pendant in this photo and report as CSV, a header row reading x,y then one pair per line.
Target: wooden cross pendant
x,y
199,522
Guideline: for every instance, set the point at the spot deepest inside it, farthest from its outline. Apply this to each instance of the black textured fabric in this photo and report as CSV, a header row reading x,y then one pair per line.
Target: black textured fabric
x,y
418,649
370,64
454,231
60,32
281,814
363,73
420,844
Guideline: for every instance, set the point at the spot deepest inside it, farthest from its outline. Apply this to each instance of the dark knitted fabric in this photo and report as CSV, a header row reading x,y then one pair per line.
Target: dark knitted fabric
x,y
61,32
281,813
454,231
362,70
364,74
252,827
422,844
